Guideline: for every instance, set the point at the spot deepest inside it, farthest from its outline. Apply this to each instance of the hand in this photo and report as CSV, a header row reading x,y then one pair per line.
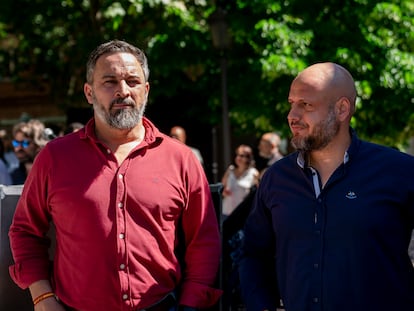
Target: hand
x,y
49,304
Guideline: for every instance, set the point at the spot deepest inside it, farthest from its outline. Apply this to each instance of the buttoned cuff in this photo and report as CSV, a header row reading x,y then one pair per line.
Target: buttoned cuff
x,y
25,274
198,295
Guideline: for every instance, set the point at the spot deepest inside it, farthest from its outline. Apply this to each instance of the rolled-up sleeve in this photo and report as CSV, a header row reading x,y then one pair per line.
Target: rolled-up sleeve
x,y
29,242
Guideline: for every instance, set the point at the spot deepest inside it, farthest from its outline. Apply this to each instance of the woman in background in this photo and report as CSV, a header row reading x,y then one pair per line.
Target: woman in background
x,y
238,179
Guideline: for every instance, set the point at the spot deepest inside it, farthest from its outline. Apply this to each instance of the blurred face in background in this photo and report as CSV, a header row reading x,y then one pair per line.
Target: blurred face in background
x,y
23,147
265,147
244,156
178,133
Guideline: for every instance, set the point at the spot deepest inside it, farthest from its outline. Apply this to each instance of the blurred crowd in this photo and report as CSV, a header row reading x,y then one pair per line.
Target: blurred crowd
x,y
20,145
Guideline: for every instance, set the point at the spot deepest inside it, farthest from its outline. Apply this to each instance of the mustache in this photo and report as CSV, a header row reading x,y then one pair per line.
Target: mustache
x,y
123,101
297,123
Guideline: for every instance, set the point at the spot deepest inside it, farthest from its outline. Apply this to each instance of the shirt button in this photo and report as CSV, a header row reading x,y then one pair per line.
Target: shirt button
x,y
315,266
122,266
120,205
108,151
121,236
124,296
315,299
120,176
318,232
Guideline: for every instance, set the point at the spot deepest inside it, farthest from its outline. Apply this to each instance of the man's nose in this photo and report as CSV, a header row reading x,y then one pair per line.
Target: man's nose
x,y
123,89
293,114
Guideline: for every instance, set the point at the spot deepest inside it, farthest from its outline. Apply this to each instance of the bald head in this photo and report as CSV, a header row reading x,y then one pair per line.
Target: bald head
x,y
322,102
330,79
179,133
272,138
269,145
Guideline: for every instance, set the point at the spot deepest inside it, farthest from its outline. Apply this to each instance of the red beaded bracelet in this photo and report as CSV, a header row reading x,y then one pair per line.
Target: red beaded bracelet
x,y
42,297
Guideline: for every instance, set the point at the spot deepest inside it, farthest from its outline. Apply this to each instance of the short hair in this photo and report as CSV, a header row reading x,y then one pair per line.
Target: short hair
x,y
115,46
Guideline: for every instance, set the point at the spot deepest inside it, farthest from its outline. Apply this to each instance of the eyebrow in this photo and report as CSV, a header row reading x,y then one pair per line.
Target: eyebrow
x,y
116,75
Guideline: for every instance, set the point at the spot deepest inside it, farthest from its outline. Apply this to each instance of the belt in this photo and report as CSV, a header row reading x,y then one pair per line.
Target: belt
x,y
165,304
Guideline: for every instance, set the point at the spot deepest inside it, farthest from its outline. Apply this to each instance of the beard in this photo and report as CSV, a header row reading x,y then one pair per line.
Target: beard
x,y
122,119
322,134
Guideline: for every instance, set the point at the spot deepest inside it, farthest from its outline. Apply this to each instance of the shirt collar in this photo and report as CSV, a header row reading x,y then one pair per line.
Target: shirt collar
x,y
152,134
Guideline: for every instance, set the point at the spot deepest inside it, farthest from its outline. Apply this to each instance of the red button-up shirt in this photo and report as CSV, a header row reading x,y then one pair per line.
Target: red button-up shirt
x,y
117,225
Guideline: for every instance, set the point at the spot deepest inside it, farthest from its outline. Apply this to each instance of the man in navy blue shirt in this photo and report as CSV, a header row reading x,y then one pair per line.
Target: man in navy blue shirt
x,y
331,222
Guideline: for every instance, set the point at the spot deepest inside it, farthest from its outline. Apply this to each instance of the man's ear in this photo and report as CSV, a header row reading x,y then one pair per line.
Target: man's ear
x,y
147,87
343,108
87,90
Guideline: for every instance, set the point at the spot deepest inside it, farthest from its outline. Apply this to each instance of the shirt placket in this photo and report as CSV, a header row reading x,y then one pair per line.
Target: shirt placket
x,y
122,258
316,289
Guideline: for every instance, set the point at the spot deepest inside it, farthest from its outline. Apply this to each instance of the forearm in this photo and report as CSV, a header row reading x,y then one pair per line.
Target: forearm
x,y
43,298
40,287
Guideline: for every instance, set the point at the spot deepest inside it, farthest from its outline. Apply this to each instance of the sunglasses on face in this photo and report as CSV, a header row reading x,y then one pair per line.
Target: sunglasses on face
x,y
20,143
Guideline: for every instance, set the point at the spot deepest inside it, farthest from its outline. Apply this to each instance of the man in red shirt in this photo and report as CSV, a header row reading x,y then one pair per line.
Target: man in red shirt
x,y
124,198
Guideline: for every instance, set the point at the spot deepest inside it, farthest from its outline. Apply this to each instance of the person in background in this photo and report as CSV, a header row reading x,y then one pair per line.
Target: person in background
x,y
28,140
9,155
10,158
5,178
179,133
133,214
331,222
269,150
73,127
239,183
238,179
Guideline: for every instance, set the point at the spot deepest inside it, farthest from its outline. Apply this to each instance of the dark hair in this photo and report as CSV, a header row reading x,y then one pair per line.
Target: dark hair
x,y
72,127
115,46
249,151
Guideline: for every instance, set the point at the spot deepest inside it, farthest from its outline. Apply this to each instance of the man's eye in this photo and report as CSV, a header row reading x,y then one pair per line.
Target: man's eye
x,y
133,82
110,82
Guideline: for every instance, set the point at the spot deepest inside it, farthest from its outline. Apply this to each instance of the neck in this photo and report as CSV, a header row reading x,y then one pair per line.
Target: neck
x,y
327,160
335,150
114,138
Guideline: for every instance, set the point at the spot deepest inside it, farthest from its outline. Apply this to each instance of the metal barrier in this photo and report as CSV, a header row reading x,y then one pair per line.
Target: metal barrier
x,y
11,296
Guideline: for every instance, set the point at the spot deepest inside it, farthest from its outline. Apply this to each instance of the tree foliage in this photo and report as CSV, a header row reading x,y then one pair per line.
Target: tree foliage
x,y
271,42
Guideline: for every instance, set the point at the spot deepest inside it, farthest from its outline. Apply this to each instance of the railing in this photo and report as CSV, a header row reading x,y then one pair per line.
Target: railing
x,y
11,296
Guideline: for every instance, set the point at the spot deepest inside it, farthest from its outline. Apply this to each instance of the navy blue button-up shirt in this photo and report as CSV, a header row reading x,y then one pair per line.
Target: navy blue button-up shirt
x,y
341,247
